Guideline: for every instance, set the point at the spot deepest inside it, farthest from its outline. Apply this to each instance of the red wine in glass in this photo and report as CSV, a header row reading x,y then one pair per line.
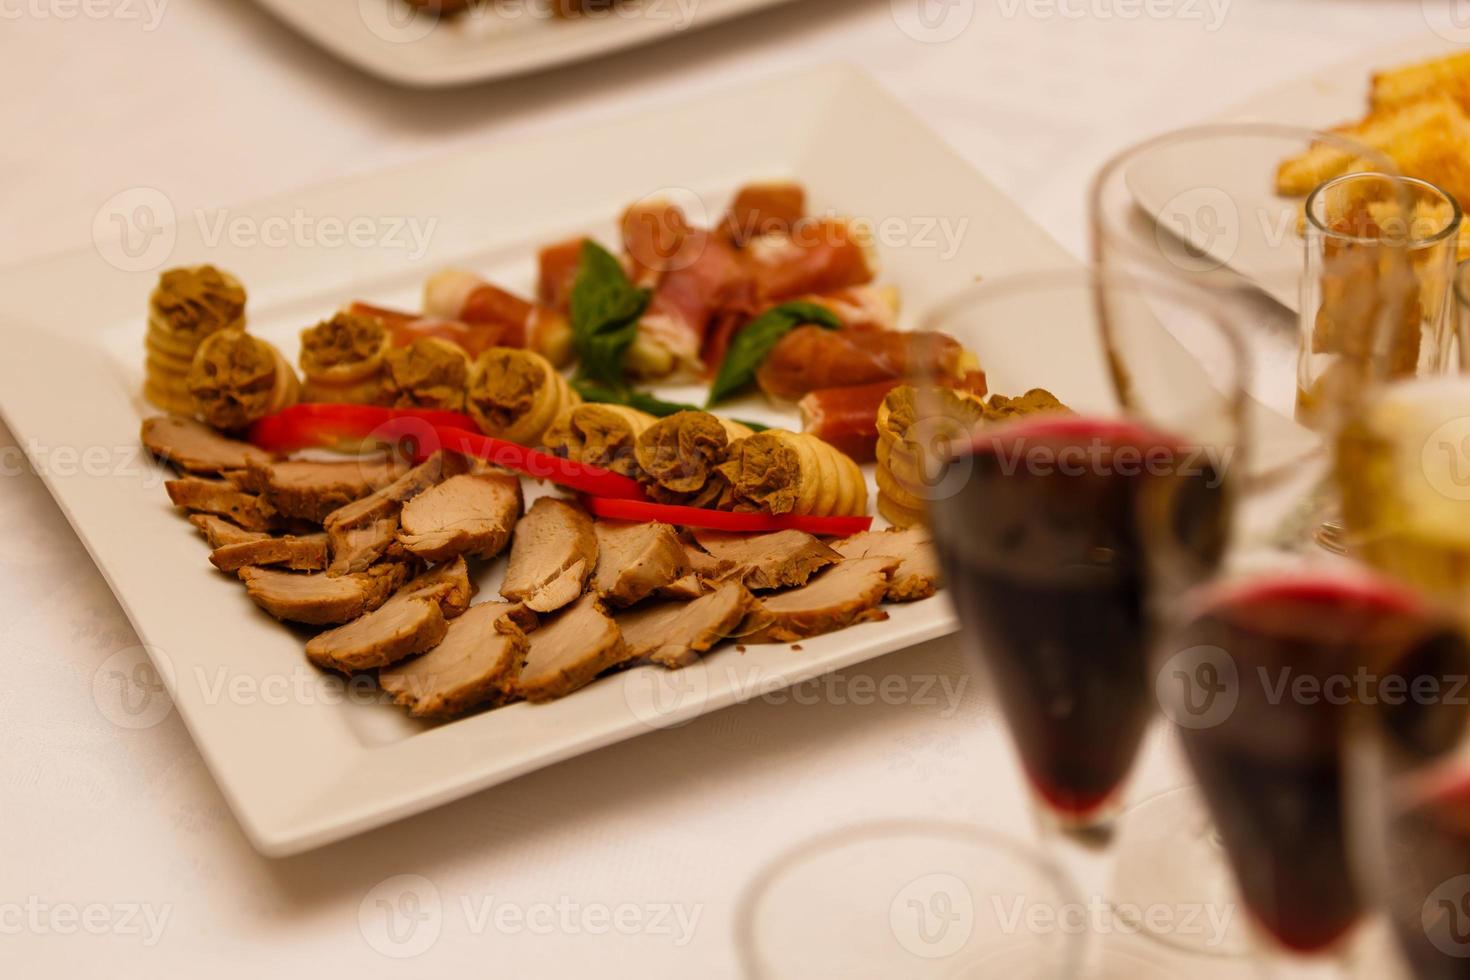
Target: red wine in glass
x,y
1305,649
1428,895
1053,574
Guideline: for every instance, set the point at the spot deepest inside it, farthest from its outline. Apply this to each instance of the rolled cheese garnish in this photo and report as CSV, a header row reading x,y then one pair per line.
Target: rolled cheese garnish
x,y
517,395
342,358
237,379
602,435
678,456
779,472
428,373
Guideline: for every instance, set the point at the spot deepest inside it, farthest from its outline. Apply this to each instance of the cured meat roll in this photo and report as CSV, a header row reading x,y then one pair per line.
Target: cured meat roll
x,y
779,472
819,255
342,358
602,435
428,373
502,318
236,379
710,280
764,209
187,306
517,395
810,358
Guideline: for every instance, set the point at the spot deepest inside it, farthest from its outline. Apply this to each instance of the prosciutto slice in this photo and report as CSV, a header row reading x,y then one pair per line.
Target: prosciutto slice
x,y
405,328
687,299
810,359
820,255
459,295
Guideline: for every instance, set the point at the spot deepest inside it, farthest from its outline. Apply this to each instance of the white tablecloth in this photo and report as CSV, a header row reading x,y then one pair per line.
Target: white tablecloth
x,y
119,858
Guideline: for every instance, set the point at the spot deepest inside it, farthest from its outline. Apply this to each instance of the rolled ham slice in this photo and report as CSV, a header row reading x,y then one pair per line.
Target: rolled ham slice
x,y
818,256
687,299
847,417
764,209
460,295
810,359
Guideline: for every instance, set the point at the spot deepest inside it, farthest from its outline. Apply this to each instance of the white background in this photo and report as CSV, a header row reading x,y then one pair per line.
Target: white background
x,y
219,104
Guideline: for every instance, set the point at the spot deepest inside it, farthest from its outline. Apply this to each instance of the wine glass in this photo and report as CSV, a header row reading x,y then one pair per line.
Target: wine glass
x,y
1409,802
1221,209
1276,662
1062,535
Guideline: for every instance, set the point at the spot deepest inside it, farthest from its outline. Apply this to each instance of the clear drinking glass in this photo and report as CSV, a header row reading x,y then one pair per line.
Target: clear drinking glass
x,y
1351,326
1462,314
910,899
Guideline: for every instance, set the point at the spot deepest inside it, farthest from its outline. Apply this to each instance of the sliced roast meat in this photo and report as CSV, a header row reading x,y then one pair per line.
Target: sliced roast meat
x,y
569,651
846,593
387,500
704,564
691,586
304,553
220,532
413,620
552,554
476,663
448,584
312,489
469,514
675,633
777,560
221,498
355,547
361,531
195,447
321,599
917,576
636,560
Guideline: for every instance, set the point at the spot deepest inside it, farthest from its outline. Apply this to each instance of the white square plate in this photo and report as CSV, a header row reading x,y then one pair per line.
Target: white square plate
x,y
1230,210
500,38
301,764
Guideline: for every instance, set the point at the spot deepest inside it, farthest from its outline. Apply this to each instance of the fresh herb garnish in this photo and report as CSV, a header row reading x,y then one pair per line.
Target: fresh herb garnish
x,y
756,339
605,309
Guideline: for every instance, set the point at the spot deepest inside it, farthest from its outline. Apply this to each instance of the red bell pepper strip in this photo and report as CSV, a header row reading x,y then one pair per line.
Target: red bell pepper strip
x,y
332,425
724,520
581,477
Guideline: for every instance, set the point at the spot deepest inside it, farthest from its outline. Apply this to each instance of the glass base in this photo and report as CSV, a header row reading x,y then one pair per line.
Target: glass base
x,y
911,899
1171,883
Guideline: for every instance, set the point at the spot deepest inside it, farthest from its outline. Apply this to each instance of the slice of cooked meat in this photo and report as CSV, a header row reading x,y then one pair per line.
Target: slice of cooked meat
x,y
478,659
569,651
917,576
448,584
675,633
767,561
195,447
387,500
552,554
306,553
322,599
691,586
846,593
414,619
312,489
221,498
361,531
636,560
220,532
469,514
355,547
704,564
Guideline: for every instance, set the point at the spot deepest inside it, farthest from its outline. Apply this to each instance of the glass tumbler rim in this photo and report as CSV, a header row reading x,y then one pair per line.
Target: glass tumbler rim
x,y
1451,228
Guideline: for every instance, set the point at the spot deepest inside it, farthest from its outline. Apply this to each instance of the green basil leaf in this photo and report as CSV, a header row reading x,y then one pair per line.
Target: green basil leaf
x,y
756,339
605,309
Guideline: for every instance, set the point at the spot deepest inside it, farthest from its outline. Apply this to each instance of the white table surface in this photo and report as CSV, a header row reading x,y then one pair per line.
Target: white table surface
x,y
218,103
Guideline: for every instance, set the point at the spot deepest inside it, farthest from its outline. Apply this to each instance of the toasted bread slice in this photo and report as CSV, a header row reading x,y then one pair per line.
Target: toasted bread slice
x,y
1409,83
